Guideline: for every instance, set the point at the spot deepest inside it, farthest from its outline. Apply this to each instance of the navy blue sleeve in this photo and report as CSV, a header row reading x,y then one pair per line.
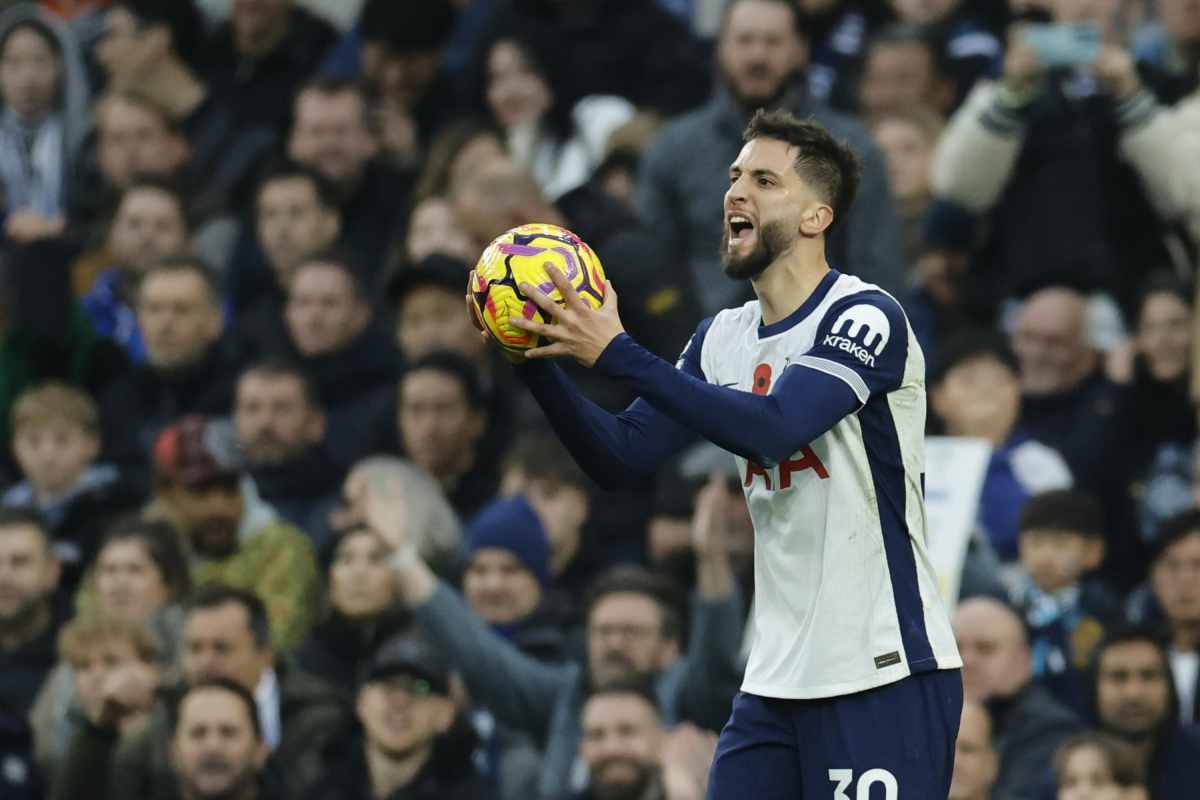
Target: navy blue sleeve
x,y
810,397
615,450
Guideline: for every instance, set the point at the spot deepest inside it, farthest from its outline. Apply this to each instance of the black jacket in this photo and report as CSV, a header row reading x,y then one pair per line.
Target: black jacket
x,y
338,649
449,775
303,490
1027,731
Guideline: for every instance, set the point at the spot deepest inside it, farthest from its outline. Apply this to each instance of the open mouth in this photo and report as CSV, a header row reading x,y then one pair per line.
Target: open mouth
x,y
741,228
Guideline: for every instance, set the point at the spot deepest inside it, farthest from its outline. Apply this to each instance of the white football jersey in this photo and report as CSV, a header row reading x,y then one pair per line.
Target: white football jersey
x,y
845,596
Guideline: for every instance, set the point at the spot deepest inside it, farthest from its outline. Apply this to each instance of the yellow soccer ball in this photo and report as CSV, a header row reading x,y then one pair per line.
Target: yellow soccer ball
x,y
520,256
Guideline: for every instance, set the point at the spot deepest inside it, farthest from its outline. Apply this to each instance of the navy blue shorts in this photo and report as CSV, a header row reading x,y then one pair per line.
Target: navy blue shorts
x,y
895,742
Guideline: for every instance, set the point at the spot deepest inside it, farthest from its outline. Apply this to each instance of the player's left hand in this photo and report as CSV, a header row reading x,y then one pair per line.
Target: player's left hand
x,y
579,330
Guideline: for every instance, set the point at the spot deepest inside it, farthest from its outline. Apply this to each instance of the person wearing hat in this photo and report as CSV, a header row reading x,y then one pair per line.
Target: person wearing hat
x,y
415,744
508,574
235,538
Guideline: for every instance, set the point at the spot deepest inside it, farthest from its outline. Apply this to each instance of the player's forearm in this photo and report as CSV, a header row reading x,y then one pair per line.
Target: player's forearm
x,y
766,429
615,451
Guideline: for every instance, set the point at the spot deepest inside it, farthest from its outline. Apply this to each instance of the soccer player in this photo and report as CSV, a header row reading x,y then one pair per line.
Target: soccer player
x,y
818,389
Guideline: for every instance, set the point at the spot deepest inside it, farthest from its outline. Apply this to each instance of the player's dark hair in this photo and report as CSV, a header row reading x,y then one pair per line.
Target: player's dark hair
x,y
823,162
457,367
185,262
1174,530
224,684
540,455
1063,510
636,684
216,595
285,170
1122,759
338,259
277,367
628,579
968,345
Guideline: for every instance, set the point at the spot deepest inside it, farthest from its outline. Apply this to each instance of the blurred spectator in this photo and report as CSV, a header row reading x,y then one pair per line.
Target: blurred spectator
x,y
345,351
43,119
634,628
630,756
1175,583
1069,405
227,636
1092,765
363,611
1155,364
150,49
56,439
903,72
1170,41
975,392
968,49
415,742
28,577
296,216
590,45
1028,723
538,467
135,138
616,175
1134,700
907,138
98,656
141,574
330,134
436,531
656,296
461,149
434,229
441,416
683,174
150,224
235,537
217,746
1066,606
280,424
1040,154
559,143
255,61
189,367
506,576
975,761
836,34
428,299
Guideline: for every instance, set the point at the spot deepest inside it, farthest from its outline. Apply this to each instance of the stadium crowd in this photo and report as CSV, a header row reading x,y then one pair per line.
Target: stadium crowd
x,y
277,523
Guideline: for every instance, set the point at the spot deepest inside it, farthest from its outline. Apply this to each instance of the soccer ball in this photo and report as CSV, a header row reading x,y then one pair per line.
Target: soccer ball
x,y
520,256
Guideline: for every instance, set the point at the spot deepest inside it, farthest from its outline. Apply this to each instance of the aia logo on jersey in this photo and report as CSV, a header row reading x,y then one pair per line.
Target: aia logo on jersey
x,y
862,331
807,460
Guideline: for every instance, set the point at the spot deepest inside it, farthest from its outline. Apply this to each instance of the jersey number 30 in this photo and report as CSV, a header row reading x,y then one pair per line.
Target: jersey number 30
x,y
844,778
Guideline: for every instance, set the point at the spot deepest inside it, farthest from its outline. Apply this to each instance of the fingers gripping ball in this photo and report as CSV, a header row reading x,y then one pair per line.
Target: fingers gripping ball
x,y
521,256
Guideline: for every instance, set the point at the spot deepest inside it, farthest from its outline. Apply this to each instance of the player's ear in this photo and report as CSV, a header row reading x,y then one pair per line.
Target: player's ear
x,y
815,219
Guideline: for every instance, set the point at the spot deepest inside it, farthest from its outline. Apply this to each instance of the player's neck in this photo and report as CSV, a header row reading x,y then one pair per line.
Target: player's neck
x,y
789,281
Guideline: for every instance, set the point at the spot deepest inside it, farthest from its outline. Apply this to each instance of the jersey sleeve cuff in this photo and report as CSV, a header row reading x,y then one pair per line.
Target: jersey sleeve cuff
x,y
836,370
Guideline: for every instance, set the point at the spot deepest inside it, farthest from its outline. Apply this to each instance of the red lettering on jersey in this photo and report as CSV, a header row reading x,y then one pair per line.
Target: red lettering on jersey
x,y
762,379
808,460
753,469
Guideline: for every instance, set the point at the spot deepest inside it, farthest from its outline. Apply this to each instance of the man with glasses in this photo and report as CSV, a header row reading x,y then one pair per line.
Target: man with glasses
x,y
634,629
416,743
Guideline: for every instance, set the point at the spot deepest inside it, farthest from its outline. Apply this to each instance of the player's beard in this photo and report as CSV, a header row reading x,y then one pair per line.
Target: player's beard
x,y
771,242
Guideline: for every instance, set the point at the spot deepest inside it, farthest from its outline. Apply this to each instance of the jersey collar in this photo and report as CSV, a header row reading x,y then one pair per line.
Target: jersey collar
x,y
807,307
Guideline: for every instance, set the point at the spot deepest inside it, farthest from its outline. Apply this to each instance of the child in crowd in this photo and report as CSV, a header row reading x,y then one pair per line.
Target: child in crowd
x,y
1065,606
1094,766
56,440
